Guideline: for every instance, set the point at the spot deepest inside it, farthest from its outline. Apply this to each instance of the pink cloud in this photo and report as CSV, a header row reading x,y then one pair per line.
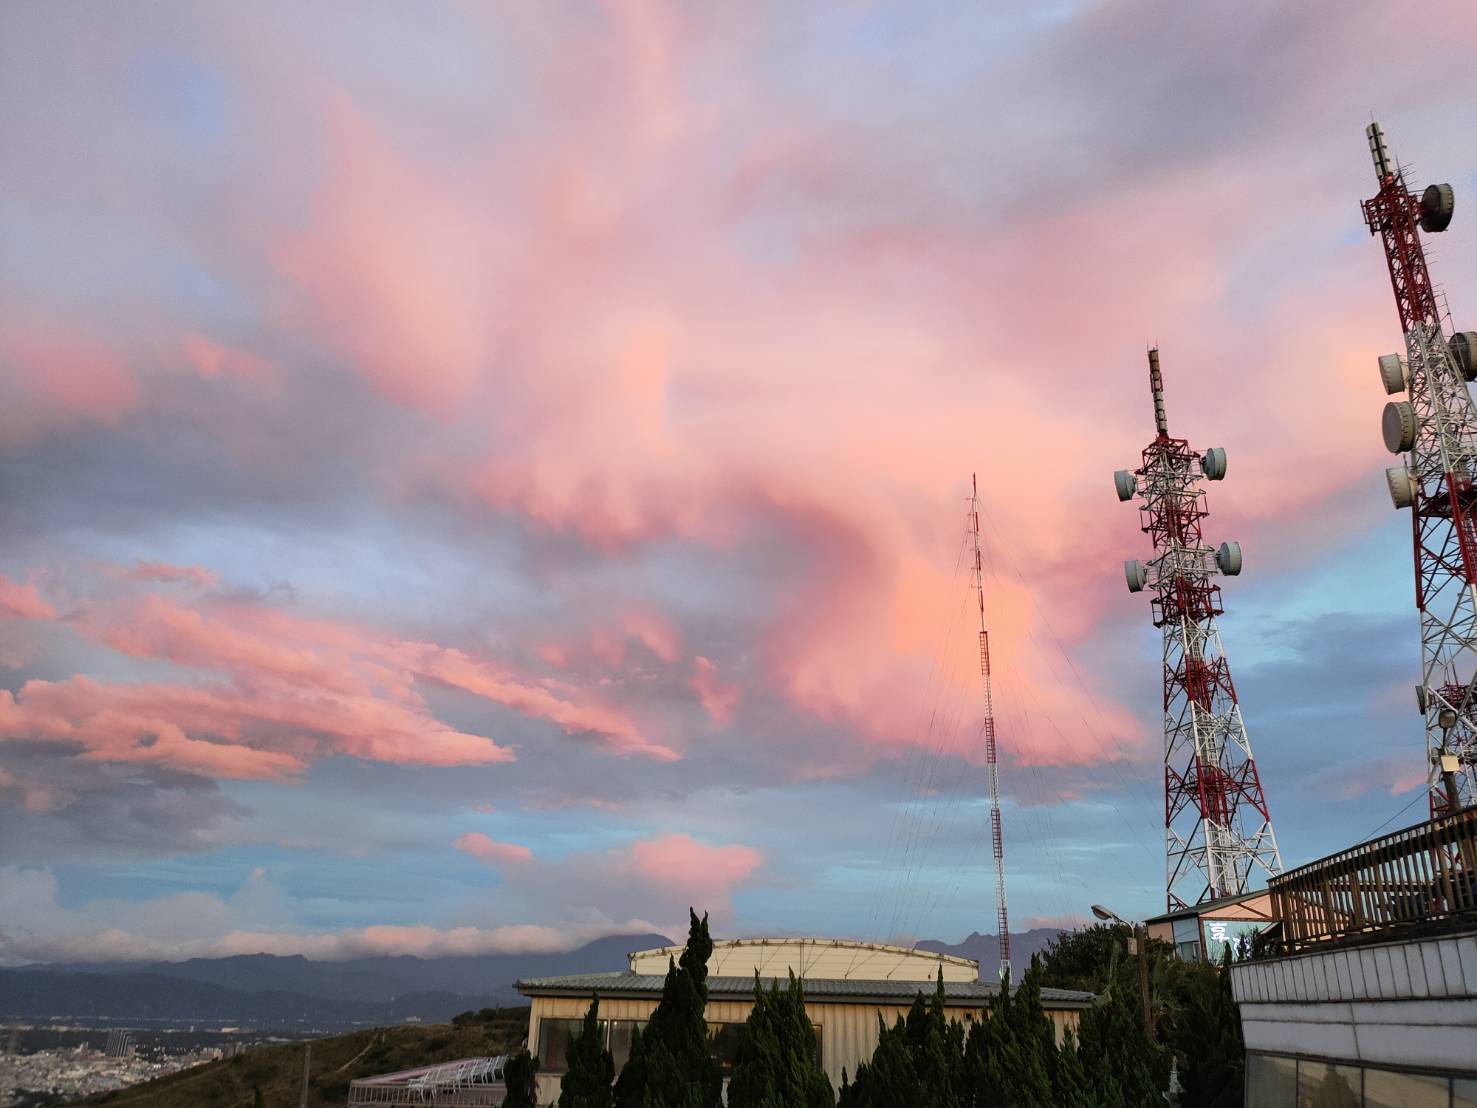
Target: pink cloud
x,y
718,697
405,299
19,601
211,359
706,874
65,380
484,849
170,574
275,691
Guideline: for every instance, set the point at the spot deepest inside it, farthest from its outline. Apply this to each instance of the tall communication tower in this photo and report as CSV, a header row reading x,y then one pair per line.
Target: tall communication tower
x,y
1436,428
997,841
1216,825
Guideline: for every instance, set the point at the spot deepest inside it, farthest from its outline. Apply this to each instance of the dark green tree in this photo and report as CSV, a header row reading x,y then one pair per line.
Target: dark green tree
x,y
918,1061
1071,1086
257,1100
671,1064
518,1075
587,1081
1203,1029
1007,1055
1126,1068
776,1066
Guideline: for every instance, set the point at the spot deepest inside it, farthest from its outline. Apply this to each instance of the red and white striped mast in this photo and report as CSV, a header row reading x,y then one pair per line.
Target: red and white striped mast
x,y
1436,428
997,842
1216,826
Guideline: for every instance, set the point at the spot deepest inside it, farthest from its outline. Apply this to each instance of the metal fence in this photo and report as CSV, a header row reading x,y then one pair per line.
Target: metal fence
x,y
1424,877
466,1083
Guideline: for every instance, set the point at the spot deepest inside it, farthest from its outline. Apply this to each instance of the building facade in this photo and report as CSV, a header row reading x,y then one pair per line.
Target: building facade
x,y
1365,991
848,985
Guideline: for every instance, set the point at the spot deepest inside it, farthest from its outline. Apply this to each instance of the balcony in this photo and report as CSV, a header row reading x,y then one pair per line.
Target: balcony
x,y
1420,881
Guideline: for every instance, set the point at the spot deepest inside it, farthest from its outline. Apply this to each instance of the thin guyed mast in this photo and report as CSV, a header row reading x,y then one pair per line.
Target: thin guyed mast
x,y
997,842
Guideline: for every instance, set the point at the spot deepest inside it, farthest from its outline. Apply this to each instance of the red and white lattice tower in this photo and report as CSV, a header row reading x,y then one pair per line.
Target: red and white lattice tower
x,y
1217,829
1437,429
997,841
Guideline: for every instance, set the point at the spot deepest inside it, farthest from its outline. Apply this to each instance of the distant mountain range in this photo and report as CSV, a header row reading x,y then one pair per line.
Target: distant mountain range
x,y
985,949
265,991
268,992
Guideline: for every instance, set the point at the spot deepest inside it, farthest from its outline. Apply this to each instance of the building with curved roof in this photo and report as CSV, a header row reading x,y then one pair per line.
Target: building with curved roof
x,y
848,985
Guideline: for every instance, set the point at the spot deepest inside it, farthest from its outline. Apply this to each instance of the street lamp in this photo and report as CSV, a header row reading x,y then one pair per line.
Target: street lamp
x,y
1447,763
1138,945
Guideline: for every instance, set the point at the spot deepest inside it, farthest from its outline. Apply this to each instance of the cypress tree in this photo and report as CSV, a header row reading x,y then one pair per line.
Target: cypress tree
x,y
518,1075
672,1065
757,1069
1128,1069
1203,1029
586,1083
1070,1084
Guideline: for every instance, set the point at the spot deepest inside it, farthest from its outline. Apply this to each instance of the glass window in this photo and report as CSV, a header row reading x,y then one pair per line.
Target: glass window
x,y
554,1037
1323,1085
1464,1092
725,1039
620,1040
1271,1082
1384,1089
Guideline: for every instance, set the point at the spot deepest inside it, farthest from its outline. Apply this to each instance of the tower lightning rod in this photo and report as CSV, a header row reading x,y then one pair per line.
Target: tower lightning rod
x,y
997,842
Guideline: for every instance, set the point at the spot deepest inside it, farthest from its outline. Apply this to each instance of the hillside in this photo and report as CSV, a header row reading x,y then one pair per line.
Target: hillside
x,y
278,1070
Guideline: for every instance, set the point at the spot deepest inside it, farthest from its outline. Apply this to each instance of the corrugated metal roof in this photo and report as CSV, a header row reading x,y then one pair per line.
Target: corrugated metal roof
x,y
649,984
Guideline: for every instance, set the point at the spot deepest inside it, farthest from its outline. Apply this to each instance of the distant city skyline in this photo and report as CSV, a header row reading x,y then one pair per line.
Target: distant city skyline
x,y
477,479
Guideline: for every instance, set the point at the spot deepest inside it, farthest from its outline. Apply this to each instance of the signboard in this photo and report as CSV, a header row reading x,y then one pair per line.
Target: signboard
x,y
1220,933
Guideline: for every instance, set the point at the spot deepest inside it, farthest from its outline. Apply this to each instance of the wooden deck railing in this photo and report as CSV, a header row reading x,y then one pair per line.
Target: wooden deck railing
x,y
1420,876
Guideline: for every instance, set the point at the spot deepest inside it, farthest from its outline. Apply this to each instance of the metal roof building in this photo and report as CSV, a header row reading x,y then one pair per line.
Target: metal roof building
x,y
847,986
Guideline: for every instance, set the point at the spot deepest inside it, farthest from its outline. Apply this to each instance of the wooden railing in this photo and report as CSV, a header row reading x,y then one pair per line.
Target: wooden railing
x,y
1421,878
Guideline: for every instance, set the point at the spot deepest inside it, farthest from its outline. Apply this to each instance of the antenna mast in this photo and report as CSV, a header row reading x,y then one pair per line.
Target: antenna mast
x,y
1436,428
1216,826
997,842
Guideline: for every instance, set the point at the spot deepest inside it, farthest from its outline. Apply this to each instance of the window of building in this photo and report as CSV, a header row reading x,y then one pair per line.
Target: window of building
x,y
1271,1082
554,1037
1324,1085
620,1040
1387,1089
1276,1082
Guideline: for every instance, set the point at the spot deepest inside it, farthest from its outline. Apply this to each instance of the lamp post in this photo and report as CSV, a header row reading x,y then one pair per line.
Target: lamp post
x,y
1139,945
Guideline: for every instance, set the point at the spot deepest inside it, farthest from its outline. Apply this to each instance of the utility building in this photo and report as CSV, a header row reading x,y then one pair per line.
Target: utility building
x,y
847,986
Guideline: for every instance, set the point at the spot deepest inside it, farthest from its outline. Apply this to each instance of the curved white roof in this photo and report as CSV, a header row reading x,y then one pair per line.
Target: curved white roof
x,y
830,959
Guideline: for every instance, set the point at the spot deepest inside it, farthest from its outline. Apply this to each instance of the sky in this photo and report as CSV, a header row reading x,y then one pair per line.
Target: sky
x,y
479,477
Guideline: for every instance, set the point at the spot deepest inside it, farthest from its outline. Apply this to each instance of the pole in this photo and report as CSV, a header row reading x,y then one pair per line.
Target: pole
x,y
302,1101
1141,937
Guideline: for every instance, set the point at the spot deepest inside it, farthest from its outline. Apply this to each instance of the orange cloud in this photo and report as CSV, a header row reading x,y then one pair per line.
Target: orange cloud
x,y
484,849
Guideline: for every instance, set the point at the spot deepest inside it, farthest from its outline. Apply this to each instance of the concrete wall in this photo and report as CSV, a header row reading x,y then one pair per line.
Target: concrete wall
x,y
848,1031
1411,1003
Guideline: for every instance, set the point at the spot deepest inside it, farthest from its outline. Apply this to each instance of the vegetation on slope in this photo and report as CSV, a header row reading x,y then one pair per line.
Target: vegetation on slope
x,y
277,1071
